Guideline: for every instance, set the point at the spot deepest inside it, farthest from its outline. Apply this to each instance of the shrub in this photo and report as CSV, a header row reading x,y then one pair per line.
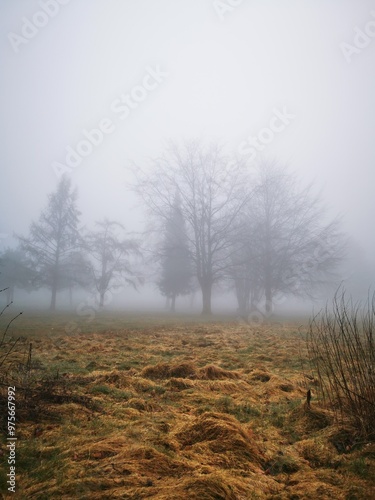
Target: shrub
x,y
341,351
15,357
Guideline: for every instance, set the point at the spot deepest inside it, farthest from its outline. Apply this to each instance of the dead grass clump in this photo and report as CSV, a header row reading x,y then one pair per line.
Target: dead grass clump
x,y
344,439
307,420
179,384
166,370
142,385
183,370
281,464
224,435
286,387
262,376
159,371
99,450
212,372
115,377
263,357
153,462
84,487
317,453
209,488
142,405
166,444
80,380
306,485
226,386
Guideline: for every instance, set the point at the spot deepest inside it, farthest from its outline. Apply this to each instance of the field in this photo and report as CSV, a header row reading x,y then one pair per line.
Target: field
x,y
165,407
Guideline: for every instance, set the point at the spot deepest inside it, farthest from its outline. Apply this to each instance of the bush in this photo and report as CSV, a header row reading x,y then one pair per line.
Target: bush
x,y
341,351
13,354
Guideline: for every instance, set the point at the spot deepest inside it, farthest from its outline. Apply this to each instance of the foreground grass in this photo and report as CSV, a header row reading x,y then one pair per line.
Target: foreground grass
x,y
171,408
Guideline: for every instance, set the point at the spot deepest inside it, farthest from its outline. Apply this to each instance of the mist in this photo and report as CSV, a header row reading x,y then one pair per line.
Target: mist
x,y
96,92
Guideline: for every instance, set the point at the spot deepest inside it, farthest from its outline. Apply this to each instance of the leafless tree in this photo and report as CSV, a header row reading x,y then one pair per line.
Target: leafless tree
x,y
213,195
289,247
110,254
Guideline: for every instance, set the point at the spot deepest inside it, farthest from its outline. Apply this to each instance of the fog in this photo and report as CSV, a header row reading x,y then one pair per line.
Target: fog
x,y
127,76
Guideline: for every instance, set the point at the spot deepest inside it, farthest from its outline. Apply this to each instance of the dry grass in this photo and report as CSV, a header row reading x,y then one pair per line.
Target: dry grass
x,y
190,411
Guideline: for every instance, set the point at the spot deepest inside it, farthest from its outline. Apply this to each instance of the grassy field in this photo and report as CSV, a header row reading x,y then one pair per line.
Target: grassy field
x,y
165,407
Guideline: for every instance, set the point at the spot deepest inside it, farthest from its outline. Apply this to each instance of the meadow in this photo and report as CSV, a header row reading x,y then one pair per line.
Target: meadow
x,y
136,406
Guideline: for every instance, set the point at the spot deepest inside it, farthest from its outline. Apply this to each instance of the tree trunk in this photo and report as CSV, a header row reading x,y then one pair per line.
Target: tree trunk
x,y
53,297
192,297
206,298
242,294
268,294
55,280
101,299
173,303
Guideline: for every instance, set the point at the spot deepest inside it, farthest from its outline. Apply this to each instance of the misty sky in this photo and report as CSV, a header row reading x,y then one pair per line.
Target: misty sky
x,y
197,70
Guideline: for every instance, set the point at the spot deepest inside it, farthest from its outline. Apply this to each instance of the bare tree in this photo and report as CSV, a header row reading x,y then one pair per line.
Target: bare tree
x,y
212,193
54,239
110,257
289,247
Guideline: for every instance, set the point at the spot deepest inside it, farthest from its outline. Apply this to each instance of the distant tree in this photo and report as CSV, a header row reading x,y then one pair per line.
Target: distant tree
x,y
212,198
16,272
288,247
111,253
54,238
176,271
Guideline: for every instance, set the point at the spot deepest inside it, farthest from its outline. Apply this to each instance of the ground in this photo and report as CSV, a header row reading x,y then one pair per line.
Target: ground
x,y
167,407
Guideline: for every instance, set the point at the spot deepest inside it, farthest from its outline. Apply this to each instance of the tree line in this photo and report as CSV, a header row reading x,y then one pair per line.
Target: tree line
x,y
213,221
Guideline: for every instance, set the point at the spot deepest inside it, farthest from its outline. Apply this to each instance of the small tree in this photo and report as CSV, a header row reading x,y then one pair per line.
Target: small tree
x,y
54,238
176,272
110,257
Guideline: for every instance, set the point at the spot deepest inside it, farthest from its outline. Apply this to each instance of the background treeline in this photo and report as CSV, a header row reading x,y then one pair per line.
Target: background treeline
x,y
212,222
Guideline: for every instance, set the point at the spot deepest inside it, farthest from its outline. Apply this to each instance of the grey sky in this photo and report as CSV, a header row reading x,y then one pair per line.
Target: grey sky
x,y
226,76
